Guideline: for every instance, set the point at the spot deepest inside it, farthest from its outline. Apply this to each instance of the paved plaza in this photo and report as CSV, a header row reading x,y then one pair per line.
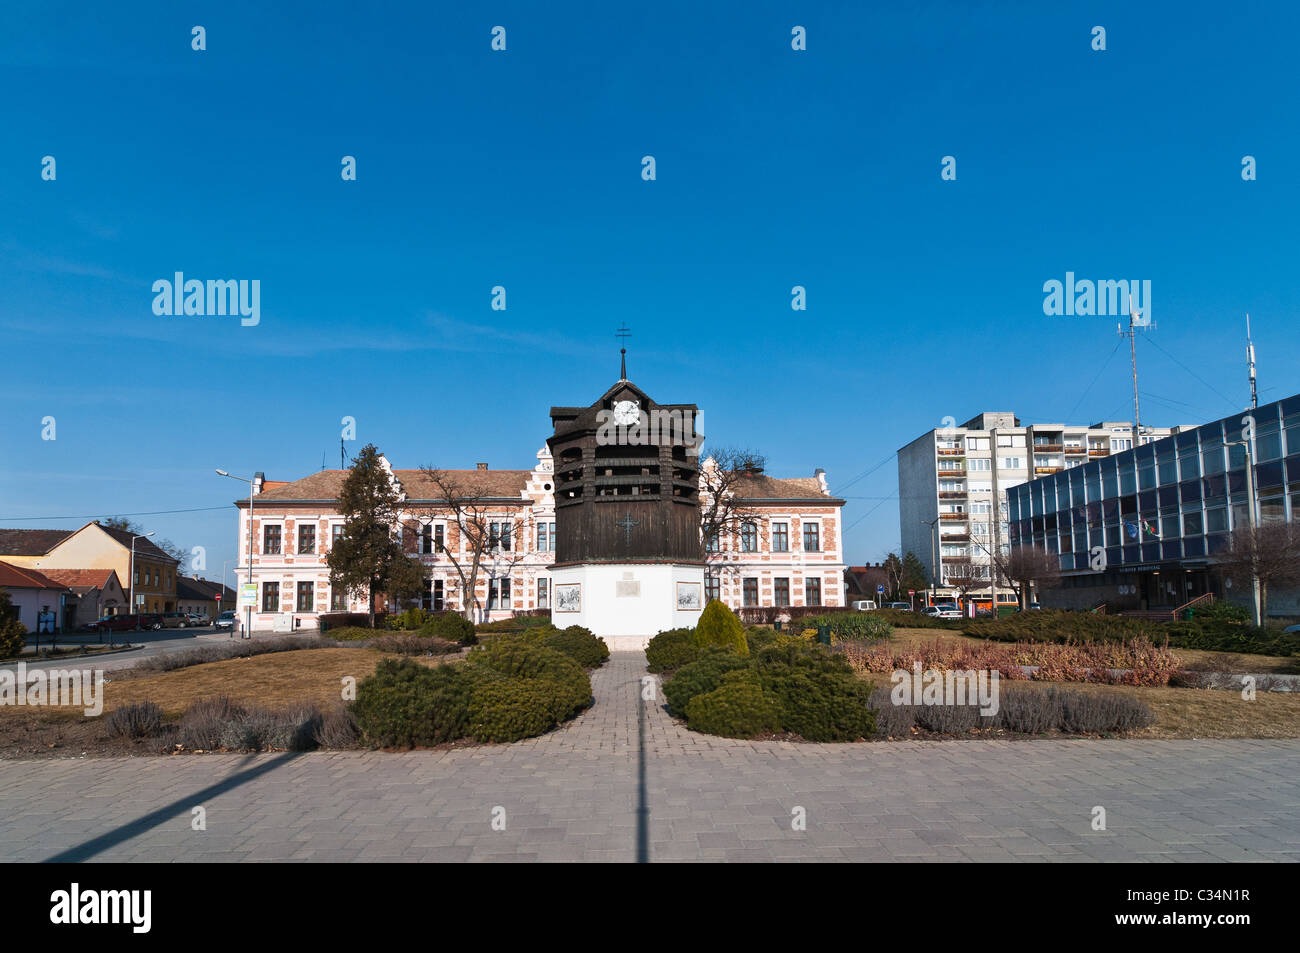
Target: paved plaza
x,y
624,782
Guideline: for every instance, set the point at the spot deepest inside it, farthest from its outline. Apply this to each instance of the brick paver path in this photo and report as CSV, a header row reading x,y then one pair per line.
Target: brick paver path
x,y
576,794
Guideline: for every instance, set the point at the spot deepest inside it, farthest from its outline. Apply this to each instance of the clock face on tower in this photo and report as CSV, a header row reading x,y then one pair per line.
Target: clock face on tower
x,y
627,412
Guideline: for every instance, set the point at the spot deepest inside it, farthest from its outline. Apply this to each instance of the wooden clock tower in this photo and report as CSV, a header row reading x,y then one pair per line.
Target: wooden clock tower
x,y
628,556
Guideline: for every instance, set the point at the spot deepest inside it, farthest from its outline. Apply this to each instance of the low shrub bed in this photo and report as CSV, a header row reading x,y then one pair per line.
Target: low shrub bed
x,y
518,623
406,644
779,684
1020,711
505,691
858,626
217,723
1119,663
1220,627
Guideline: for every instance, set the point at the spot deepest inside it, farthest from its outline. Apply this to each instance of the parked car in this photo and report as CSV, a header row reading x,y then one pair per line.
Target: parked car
x,y
864,605
1291,629
227,619
112,623
943,610
175,620
901,606
198,618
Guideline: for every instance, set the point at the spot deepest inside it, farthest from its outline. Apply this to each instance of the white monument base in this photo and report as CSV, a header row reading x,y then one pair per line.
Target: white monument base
x,y
627,603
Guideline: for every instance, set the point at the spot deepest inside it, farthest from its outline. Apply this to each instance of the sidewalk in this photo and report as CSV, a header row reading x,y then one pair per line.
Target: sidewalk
x,y
577,794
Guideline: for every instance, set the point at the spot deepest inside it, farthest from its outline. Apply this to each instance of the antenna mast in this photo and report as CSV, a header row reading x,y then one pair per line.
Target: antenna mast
x,y
1131,334
1134,323
1250,362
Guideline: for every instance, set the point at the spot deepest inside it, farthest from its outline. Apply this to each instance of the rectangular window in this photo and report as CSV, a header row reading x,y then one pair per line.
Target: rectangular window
x,y
977,443
552,537
426,597
543,537
781,592
499,536
780,537
812,537
749,592
499,593
336,533
271,541
270,597
438,595
307,538
748,538
426,539
812,592
712,543
1011,463
543,592
306,597
979,463
712,588
338,601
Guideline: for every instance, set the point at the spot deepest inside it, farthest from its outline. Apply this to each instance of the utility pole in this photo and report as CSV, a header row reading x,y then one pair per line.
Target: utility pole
x,y
1251,522
1250,362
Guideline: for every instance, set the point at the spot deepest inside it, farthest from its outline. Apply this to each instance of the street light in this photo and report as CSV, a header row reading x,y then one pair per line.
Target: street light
x,y
934,542
252,485
131,573
1256,607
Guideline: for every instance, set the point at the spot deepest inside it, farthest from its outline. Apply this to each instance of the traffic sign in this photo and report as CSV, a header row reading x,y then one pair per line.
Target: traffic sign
x,y
880,588
911,592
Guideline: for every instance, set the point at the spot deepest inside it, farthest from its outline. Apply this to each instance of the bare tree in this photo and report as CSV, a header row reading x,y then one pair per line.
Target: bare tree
x,y
724,506
1029,567
472,544
1269,553
961,576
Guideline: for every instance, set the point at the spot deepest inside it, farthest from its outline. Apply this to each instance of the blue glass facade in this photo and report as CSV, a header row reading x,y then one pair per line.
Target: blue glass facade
x,y
1164,506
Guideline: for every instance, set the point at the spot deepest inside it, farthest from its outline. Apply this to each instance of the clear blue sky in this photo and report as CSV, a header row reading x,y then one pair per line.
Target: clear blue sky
x,y
775,168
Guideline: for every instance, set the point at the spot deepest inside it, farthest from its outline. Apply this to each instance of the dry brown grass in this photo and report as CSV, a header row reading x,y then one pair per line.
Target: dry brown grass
x,y
273,680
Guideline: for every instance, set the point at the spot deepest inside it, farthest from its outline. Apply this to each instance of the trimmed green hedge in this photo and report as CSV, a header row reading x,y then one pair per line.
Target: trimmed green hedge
x,y
738,708
859,626
577,643
451,626
405,704
787,685
670,650
504,692
516,658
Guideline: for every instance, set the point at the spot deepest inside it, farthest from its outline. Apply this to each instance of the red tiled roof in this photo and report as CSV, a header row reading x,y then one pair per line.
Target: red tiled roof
x,y
325,485
16,577
31,542
80,578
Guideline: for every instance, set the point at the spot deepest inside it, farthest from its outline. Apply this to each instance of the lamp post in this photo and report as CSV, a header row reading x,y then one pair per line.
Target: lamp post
x,y
934,543
132,574
1256,607
252,485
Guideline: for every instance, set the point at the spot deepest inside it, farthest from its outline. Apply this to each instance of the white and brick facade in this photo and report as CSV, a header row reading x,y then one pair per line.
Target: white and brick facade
x,y
294,523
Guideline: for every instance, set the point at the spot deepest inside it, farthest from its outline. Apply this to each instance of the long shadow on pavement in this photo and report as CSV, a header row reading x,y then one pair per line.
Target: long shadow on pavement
x,y
154,818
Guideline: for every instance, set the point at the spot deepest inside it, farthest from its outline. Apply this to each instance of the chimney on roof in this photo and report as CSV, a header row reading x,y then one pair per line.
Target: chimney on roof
x,y
258,479
482,466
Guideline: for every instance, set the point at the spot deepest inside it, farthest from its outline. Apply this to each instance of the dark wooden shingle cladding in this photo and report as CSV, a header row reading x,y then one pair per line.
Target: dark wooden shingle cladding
x,y
626,500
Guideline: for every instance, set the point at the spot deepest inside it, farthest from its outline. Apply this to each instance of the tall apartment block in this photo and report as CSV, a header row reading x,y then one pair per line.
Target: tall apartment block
x,y
950,478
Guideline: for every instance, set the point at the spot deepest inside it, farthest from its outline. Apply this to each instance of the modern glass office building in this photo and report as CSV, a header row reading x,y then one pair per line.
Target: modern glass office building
x,y
1140,529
